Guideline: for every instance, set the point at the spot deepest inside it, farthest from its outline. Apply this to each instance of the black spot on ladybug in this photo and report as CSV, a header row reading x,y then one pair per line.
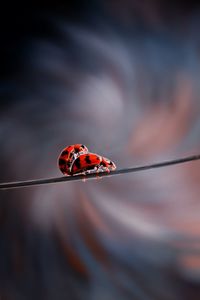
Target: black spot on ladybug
x,y
71,155
76,149
77,163
61,161
87,159
65,152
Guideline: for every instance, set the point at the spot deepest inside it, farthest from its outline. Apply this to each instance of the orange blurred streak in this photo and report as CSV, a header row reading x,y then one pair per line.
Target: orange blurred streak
x,y
164,126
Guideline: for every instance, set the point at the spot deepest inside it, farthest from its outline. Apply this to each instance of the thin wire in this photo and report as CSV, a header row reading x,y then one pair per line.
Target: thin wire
x,y
20,184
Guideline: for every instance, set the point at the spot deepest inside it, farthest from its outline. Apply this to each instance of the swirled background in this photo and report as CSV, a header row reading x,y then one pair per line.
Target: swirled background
x,y
121,77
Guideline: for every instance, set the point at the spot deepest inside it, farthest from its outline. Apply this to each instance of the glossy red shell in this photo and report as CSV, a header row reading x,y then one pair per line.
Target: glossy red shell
x,y
85,162
68,155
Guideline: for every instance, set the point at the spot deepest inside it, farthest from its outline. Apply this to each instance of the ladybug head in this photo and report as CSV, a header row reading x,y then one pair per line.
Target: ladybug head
x,y
79,148
83,148
109,164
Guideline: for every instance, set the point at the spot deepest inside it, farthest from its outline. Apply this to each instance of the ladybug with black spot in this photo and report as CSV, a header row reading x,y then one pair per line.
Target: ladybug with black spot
x,y
68,155
91,162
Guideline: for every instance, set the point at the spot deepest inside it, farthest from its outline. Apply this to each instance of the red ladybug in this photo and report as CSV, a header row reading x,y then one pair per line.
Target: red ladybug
x,y
91,162
68,155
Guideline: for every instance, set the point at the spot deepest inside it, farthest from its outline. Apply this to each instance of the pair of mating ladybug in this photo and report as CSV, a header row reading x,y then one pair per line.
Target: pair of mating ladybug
x,y
76,159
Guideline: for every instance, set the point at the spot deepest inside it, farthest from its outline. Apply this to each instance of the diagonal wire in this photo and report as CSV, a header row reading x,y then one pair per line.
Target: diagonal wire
x,y
20,184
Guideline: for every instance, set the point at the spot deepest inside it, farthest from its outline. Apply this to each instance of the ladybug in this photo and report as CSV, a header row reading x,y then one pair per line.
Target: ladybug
x,y
68,155
91,162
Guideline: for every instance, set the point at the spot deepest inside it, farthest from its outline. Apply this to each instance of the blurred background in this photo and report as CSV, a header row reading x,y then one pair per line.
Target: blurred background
x,y
121,77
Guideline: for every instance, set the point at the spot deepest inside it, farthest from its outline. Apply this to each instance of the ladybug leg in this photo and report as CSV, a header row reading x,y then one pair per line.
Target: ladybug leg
x,y
98,171
84,176
104,168
90,171
107,170
86,172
